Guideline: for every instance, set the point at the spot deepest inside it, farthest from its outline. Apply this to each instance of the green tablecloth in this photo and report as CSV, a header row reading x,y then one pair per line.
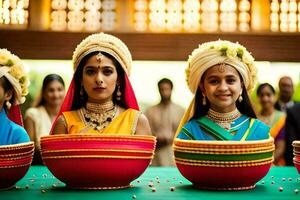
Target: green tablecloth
x,y
38,184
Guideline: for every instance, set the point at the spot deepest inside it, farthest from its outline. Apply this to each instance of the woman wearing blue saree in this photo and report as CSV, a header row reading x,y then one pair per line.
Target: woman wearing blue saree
x,y
220,74
13,89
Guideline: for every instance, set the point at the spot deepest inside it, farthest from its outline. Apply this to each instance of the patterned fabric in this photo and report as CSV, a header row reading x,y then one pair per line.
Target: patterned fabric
x,y
243,128
277,125
42,123
125,123
10,132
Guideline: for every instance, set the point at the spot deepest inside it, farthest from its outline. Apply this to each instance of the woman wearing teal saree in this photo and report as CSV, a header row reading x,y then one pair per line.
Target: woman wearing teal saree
x,y
220,74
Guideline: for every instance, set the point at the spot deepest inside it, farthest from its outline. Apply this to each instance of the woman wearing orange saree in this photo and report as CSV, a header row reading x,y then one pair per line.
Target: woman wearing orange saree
x,y
100,99
274,118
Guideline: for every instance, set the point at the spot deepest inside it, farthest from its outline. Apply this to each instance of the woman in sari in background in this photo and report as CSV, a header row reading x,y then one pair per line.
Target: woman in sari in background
x,y
220,74
13,89
39,119
274,118
100,99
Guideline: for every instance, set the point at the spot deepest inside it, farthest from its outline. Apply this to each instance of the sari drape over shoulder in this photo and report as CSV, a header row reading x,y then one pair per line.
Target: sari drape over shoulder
x,y
277,125
125,123
242,129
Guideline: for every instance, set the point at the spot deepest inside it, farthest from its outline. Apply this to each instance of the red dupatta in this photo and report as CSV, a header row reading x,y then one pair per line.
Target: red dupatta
x,y
14,114
130,99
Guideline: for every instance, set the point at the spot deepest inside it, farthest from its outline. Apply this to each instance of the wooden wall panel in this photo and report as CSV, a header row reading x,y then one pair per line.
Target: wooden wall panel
x,y
150,46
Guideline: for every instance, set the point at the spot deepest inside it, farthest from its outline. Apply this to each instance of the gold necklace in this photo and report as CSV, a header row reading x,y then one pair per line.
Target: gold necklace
x,y
223,119
99,116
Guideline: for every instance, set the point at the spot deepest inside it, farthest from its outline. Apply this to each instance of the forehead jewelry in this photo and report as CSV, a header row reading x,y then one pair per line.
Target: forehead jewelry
x,y
221,67
99,57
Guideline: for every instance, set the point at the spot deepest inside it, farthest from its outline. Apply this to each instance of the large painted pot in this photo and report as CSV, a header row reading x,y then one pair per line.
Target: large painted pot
x,y
224,165
15,161
84,161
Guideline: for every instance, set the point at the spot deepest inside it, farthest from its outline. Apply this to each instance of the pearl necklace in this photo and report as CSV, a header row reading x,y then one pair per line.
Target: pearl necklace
x,y
99,116
223,119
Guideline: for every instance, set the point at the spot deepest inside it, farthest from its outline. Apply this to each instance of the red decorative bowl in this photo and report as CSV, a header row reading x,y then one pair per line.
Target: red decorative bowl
x,y
224,178
97,162
82,141
211,165
14,163
297,165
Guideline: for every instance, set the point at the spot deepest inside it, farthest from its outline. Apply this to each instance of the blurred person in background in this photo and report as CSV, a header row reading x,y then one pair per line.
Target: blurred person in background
x,y
164,119
274,118
286,91
292,127
39,118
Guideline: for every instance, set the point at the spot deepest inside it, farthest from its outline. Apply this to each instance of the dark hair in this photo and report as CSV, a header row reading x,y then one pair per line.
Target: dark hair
x,y
262,86
7,86
47,80
165,80
80,101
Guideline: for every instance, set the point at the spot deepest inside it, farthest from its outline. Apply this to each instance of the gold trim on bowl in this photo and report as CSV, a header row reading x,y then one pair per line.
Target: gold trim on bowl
x,y
96,150
222,162
88,137
224,144
97,156
225,152
17,146
16,154
223,165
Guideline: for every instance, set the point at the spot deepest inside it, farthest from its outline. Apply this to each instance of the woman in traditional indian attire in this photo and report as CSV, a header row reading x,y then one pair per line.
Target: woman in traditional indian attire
x,y
100,99
39,119
13,89
274,118
220,74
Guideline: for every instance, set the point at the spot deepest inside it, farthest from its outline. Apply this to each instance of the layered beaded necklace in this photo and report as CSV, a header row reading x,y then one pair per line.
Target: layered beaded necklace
x,y
223,119
98,116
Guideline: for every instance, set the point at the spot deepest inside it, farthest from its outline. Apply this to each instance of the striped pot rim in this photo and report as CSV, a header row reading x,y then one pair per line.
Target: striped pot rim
x,y
96,157
88,137
97,150
16,155
296,143
221,151
222,157
226,165
17,146
223,144
15,166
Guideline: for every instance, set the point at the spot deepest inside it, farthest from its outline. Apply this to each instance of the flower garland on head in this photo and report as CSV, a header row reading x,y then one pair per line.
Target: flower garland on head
x,y
13,69
226,52
214,53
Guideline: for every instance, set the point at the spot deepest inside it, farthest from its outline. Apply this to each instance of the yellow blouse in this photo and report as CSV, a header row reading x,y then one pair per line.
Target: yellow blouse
x,y
125,123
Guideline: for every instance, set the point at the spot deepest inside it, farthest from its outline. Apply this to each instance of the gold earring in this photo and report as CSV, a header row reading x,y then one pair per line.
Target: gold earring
x,y
119,94
240,98
8,105
204,100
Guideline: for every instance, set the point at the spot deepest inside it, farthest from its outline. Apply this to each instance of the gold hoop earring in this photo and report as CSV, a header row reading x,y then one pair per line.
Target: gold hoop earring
x,y
8,105
119,93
